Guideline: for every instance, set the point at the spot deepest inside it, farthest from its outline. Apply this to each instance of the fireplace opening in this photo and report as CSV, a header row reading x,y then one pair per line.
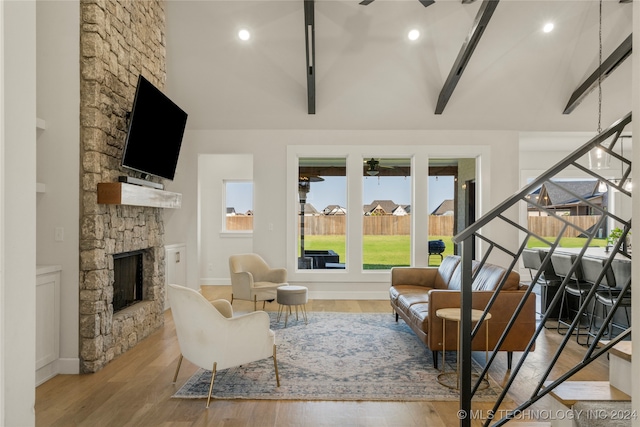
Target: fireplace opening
x,y
127,285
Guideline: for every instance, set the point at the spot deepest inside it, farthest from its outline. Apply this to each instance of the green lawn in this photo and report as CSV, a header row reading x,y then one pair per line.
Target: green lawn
x,y
380,252
567,242
384,252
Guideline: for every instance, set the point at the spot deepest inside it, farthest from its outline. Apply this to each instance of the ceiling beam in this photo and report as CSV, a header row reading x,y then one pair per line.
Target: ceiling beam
x,y
482,19
618,56
382,171
310,40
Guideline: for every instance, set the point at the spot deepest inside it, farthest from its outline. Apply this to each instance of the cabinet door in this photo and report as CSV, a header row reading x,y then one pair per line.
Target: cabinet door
x,y
47,318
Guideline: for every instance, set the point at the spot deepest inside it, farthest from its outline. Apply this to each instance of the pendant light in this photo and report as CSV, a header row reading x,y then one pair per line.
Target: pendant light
x,y
599,158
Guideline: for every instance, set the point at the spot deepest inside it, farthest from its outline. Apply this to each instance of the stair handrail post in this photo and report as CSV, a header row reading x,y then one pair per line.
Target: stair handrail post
x,y
466,329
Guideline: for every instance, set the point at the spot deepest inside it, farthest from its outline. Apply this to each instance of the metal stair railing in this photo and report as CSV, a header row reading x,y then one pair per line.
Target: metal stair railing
x,y
483,234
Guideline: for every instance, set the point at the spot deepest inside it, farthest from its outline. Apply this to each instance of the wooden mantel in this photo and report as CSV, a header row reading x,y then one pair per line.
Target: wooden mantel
x,y
121,193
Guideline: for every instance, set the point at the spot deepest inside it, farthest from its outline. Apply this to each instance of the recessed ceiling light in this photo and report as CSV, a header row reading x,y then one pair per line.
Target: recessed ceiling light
x,y
548,27
244,35
413,35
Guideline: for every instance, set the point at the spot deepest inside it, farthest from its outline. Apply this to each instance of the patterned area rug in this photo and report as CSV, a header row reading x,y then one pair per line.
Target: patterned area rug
x,y
338,356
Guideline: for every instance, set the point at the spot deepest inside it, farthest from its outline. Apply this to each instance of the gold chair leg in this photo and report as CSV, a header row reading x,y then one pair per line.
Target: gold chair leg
x,y
275,365
231,299
255,303
213,376
175,376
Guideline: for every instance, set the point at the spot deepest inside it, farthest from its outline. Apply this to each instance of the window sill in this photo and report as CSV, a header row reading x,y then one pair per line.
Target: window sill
x,y
236,234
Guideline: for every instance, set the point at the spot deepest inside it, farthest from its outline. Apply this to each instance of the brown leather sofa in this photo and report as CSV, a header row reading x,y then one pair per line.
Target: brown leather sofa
x,y
416,294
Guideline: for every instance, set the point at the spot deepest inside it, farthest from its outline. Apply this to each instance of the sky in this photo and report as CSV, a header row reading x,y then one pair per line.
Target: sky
x,y
322,194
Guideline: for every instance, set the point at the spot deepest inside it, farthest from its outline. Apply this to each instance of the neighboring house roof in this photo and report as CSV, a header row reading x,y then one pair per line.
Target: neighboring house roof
x,y
309,209
445,208
380,207
334,210
558,196
552,195
399,211
231,211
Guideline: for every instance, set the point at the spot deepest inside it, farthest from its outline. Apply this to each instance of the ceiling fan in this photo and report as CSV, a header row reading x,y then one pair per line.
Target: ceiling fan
x,y
373,167
425,3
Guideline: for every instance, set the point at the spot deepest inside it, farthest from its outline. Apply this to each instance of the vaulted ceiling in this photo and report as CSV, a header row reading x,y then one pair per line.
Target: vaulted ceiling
x,y
368,75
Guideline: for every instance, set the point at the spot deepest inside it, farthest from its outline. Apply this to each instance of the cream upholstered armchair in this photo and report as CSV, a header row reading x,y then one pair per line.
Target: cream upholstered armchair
x,y
211,338
252,279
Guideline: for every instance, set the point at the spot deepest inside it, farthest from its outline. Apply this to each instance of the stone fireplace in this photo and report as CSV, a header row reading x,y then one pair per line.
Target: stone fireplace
x,y
120,39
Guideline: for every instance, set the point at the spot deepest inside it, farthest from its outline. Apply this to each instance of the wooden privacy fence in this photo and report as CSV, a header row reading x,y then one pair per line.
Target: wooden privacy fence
x,y
544,226
547,226
372,225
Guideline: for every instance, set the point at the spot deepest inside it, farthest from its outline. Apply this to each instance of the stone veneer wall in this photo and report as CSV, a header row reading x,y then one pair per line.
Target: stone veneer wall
x,y
119,40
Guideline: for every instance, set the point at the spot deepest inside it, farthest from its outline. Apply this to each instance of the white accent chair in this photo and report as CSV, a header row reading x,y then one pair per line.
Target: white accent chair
x,y
252,279
213,340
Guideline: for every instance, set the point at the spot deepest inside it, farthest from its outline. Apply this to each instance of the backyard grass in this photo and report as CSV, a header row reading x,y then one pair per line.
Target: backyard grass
x,y
379,252
385,252
567,242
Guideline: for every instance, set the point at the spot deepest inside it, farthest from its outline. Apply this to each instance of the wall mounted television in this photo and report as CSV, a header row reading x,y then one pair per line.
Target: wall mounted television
x,y
154,134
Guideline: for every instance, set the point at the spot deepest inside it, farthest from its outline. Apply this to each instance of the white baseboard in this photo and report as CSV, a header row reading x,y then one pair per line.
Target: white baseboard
x,y
349,295
47,372
70,365
358,291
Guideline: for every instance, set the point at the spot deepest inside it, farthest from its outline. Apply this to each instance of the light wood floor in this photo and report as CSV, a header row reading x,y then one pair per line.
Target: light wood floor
x,y
135,389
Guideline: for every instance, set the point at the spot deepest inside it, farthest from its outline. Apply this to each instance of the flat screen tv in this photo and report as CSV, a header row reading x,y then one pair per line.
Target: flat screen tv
x,y
155,131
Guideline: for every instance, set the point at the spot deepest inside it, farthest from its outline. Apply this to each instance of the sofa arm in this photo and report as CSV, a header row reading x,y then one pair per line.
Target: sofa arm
x,y
420,276
501,312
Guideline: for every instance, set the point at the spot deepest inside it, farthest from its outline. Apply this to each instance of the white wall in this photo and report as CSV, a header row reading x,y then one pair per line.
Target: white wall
x,y
17,288
2,293
275,192
58,156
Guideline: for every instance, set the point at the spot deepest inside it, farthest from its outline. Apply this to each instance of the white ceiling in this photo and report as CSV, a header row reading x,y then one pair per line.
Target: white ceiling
x,y
369,76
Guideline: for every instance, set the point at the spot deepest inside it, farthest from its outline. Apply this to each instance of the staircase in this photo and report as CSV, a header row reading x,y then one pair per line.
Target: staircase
x,y
487,237
597,403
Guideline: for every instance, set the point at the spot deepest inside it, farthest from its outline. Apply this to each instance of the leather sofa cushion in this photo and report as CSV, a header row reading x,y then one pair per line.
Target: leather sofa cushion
x,y
406,301
397,290
487,279
445,271
419,316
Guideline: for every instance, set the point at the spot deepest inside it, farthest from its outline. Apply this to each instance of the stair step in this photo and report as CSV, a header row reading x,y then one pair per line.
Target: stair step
x,y
570,392
622,350
620,366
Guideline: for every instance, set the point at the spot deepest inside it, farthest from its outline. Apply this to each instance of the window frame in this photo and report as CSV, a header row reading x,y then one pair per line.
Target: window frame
x,y
224,229
420,154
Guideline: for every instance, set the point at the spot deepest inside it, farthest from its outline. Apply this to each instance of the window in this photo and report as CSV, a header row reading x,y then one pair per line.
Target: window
x,y
238,202
386,225
322,213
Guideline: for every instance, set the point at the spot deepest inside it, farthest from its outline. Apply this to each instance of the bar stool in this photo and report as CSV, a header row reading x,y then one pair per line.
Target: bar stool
x,y
592,268
607,298
576,286
532,260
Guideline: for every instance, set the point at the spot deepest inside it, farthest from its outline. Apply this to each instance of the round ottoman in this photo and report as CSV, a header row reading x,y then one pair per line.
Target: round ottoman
x,y
291,296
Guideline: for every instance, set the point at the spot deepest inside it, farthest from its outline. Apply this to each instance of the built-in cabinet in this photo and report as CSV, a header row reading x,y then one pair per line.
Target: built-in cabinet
x,y
175,261
47,322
